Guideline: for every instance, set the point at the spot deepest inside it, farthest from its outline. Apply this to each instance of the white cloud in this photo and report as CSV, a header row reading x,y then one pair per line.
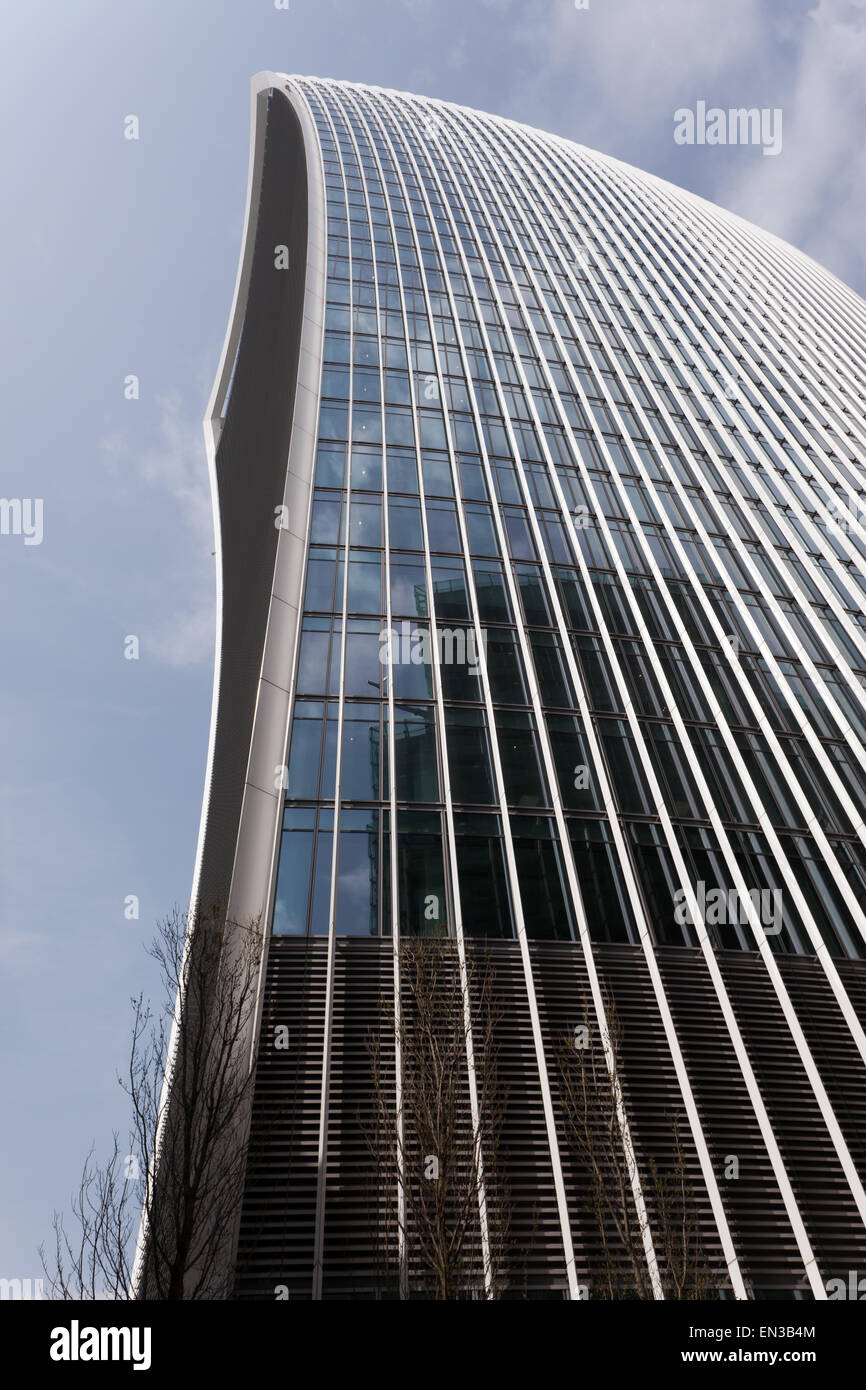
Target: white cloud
x,y
814,194
177,467
633,62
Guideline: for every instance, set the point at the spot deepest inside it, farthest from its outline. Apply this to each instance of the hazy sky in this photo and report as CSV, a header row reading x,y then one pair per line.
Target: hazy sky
x,y
119,257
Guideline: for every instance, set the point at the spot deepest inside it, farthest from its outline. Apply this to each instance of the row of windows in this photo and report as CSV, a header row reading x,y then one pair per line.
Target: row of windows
x,y
365,776
425,895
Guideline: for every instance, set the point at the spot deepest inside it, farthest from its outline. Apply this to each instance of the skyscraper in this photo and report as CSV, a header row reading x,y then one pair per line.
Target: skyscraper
x,y
537,487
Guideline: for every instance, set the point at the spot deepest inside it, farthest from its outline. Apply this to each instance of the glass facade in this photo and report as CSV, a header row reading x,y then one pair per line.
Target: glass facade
x,y
559,659
583,643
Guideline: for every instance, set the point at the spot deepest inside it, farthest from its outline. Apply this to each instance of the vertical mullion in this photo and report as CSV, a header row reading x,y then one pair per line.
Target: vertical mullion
x,y
345,515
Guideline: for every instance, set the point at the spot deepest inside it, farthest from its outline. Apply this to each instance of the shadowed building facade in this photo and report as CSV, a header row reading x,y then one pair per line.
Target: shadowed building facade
x,y
538,489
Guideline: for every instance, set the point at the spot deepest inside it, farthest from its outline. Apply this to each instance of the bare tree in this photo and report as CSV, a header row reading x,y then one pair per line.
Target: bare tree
x,y
443,1208
189,1085
593,1104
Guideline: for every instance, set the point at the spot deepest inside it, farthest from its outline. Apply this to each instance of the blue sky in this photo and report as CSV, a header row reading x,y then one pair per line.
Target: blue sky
x,y
119,257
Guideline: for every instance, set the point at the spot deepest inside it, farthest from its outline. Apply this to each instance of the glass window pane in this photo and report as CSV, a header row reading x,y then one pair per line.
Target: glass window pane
x,y
449,589
415,753
601,884
479,526
404,523
505,666
468,757
442,526
363,669
519,538
313,663
518,751
293,883
402,470
330,465
359,777
484,900
412,661
436,472
533,595
367,468
553,680
408,588
306,748
365,583
577,784
420,875
542,885
629,783
491,592
367,424
325,525
459,666
365,521
358,883
319,594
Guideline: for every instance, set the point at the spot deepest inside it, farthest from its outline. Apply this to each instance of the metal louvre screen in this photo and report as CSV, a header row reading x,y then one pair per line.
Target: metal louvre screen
x,y
276,1248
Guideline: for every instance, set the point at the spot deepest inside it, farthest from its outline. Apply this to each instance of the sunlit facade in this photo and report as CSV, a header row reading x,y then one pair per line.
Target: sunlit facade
x,y
538,486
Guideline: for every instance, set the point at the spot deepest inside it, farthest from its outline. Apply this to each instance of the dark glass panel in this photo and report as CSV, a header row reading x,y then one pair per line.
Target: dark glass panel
x,y
601,884
491,592
412,661
468,757
505,666
577,783
474,484
484,899
449,589
518,752
659,884
533,595
459,666
629,783
553,681
546,913
678,786
573,593
415,753
408,587
519,539
421,874
595,665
